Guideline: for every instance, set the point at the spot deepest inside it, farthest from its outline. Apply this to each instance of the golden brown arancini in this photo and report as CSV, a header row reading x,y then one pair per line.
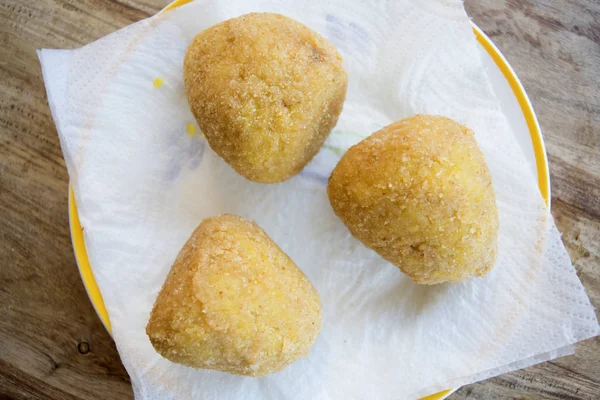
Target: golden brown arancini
x,y
420,194
234,302
266,91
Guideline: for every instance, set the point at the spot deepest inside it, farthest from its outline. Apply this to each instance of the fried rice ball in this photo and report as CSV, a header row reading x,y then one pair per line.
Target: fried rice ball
x,y
234,302
420,194
266,91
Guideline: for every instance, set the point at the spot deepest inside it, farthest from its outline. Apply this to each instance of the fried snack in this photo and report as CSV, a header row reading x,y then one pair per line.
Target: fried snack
x,y
266,91
234,302
420,194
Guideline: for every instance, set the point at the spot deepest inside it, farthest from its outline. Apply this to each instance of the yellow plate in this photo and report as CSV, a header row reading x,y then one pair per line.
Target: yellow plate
x,y
530,127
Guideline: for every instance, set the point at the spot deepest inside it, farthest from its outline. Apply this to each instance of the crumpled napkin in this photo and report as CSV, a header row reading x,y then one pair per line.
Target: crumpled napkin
x,y
143,180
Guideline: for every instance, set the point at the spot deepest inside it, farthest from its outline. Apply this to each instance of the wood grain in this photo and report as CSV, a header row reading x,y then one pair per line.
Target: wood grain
x,y
52,345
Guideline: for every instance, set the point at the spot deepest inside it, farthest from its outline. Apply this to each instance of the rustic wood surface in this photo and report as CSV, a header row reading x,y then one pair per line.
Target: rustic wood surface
x,y
52,344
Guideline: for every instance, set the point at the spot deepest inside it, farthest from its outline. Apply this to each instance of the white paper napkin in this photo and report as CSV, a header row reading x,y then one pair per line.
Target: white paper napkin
x,y
142,184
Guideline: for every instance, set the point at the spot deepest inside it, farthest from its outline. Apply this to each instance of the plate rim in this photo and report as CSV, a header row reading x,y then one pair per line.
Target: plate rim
x,y
535,132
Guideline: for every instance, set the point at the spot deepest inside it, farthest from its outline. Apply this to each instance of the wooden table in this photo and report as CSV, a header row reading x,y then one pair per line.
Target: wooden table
x,y
52,344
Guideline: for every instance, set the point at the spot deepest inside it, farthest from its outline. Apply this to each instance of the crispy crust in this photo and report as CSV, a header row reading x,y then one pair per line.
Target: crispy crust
x,y
420,194
235,302
266,91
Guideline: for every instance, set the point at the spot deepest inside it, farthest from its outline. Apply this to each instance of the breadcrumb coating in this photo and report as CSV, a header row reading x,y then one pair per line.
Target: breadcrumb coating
x,y
266,91
234,302
420,194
